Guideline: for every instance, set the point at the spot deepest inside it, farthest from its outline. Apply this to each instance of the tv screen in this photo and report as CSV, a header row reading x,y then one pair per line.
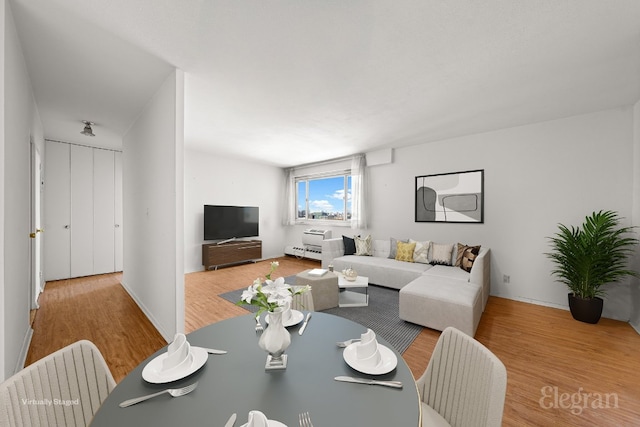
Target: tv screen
x,y
227,222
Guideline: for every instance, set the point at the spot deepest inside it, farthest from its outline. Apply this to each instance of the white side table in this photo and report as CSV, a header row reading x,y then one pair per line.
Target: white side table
x,y
349,298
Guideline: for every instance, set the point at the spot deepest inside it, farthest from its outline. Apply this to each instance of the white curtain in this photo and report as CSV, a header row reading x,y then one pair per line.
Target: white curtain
x,y
359,190
289,205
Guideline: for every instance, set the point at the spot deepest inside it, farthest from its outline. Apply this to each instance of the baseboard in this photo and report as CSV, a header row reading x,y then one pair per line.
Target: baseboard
x,y
536,302
167,337
26,343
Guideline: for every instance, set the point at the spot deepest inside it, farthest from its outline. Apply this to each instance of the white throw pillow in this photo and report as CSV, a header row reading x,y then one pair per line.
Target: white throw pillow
x,y
421,252
364,246
441,253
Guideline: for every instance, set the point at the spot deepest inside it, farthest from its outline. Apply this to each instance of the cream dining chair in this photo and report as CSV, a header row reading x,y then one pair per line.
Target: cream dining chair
x,y
464,384
65,388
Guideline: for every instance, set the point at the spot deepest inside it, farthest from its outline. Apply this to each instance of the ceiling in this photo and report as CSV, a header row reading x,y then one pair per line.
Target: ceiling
x,y
289,82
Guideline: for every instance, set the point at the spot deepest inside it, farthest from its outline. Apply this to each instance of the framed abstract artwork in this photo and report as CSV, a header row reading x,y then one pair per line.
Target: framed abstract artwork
x,y
450,197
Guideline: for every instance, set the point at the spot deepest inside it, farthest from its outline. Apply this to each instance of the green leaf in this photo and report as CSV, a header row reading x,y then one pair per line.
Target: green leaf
x,y
595,254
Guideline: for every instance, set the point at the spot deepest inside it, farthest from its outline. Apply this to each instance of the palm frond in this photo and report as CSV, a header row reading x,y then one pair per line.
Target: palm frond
x,y
592,255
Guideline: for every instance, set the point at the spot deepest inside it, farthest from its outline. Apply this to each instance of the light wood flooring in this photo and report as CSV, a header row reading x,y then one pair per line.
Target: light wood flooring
x,y
560,372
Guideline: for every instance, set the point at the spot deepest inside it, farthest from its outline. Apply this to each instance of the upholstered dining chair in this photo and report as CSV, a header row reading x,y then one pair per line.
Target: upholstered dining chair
x,y
65,388
464,384
302,301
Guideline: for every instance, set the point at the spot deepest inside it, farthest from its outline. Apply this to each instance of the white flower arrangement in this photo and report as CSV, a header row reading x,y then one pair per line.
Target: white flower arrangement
x,y
272,294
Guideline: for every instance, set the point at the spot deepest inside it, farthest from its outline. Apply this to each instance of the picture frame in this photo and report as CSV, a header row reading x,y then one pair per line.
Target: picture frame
x,y
456,197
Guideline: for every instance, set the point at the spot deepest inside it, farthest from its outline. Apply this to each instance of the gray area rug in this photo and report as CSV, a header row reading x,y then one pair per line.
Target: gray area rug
x,y
381,315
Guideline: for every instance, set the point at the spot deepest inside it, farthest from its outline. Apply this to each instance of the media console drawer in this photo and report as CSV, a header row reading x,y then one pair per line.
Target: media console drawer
x,y
214,255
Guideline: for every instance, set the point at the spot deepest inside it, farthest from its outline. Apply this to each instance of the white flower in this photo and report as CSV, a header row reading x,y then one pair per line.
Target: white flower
x,y
271,295
277,291
248,294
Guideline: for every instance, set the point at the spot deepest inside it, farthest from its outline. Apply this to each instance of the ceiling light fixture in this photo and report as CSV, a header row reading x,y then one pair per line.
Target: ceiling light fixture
x,y
87,128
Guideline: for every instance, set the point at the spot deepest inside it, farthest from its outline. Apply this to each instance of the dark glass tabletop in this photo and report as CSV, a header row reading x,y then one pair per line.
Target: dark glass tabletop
x,y
238,382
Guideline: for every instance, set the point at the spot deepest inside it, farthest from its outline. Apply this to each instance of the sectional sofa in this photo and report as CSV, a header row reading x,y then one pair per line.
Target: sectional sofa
x,y
434,291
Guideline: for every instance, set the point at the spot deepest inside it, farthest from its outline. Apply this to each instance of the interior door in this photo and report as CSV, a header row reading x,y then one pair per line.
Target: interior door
x,y
118,212
103,211
81,211
36,227
57,210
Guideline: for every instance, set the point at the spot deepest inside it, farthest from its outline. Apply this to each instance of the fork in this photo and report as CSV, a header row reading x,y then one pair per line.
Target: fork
x,y
347,343
259,327
305,420
175,392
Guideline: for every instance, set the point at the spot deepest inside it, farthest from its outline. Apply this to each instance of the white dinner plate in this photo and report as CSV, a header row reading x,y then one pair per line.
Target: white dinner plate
x,y
296,317
152,372
388,361
270,423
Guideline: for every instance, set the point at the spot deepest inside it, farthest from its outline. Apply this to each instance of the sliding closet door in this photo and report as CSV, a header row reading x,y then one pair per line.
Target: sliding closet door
x,y
81,211
57,212
118,211
103,211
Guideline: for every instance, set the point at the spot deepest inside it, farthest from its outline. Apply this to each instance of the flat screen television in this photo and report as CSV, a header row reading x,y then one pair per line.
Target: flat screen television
x,y
228,222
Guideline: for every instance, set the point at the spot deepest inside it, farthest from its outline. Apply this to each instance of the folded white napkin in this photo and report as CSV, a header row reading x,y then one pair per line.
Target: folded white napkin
x,y
367,351
178,352
257,419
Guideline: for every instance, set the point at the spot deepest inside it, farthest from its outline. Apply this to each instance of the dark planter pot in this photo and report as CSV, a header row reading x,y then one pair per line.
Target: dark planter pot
x,y
586,310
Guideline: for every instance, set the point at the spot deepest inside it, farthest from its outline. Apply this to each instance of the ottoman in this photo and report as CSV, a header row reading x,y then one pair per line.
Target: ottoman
x,y
438,302
324,289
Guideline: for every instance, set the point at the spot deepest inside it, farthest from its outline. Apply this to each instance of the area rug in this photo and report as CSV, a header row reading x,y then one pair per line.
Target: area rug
x,y
381,315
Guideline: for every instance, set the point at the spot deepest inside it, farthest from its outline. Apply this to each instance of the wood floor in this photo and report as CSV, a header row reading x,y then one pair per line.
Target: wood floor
x,y
560,372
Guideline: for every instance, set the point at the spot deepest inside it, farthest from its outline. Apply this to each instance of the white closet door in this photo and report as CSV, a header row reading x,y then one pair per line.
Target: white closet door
x,y
57,211
81,211
103,211
118,211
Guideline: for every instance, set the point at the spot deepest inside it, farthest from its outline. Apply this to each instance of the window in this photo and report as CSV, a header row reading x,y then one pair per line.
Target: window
x,y
324,198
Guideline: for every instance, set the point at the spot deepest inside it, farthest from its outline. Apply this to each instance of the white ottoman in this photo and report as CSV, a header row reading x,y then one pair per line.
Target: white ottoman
x,y
324,289
437,302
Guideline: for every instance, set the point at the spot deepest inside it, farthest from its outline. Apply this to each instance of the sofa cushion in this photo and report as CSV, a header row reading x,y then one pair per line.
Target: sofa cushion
x,y
441,253
448,272
438,302
421,252
364,246
383,271
405,251
349,245
381,248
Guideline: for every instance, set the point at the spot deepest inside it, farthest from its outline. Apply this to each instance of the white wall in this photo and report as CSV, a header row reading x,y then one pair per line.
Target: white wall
x,y
3,347
215,180
635,283
153,171
535,177
20,119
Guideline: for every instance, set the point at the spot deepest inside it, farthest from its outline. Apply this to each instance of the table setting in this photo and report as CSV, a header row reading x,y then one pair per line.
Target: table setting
x,y
322,379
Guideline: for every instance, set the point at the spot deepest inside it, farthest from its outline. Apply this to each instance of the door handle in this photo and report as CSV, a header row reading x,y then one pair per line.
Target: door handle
x,y
38,230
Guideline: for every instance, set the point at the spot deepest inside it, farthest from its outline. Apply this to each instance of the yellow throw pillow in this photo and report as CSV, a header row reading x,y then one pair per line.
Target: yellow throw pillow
x,y
405,251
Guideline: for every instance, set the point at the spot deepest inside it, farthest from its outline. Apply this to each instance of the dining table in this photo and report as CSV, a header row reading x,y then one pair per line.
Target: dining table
x,y
237,382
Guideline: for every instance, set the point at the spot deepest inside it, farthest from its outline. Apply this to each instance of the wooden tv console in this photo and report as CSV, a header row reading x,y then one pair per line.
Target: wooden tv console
x,y
237,251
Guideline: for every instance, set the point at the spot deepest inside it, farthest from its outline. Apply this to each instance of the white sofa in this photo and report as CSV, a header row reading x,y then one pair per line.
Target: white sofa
x,y
434,296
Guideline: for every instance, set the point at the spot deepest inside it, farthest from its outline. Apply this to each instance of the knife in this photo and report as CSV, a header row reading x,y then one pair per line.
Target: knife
x,y
232,420
304,325
394,384
214,351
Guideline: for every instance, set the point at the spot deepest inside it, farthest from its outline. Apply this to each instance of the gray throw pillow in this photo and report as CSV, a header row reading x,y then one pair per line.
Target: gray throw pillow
x,y
394,247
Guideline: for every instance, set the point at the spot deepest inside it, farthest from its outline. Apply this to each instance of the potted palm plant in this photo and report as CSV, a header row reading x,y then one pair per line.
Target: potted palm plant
x,y
590,256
